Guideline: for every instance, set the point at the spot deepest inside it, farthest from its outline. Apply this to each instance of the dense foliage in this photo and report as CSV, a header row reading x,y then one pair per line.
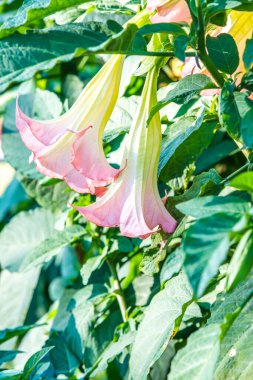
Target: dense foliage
x,y
82,301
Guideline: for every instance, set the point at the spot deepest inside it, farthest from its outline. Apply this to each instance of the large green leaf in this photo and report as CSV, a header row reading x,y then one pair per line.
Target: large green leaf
x,y
50,246
160,323
25,232
247,129
24,55
184,91
197,360
186,140
205,245
32,11
206,206
223,52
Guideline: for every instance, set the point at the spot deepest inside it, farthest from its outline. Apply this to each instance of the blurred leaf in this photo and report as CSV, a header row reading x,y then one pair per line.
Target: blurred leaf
x,y
52,197
25,232
205,245
90,266
223,52
10,333
246,129
7,356
248,54
121,118
241,262
49,247
160,323
243,181
113,350
13,195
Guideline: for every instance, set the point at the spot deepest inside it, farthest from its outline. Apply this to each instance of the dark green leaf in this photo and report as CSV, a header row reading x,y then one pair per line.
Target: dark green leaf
x,y
184,143
33,362
10,333
7,356
247,129
223,52
248,54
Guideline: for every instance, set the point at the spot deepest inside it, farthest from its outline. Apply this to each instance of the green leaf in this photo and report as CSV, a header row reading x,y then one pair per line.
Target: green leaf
x,y
236,347
204,184
172,265
206,206
32,11
90,266
223,52
10,374
247,129
33,362
185,90
186,140
49,247
17,331
197,360
244,182
7,356
53,197
233,106
25,232
248,54
160,323
241,262
205,245
42,49
112,351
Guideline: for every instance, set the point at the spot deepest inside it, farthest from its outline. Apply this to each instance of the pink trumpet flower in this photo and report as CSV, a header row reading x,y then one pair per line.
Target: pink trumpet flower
x,y
132,201
70,147
169,11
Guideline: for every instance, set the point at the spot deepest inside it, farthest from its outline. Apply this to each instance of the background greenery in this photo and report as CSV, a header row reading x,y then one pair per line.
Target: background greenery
x,y
65,283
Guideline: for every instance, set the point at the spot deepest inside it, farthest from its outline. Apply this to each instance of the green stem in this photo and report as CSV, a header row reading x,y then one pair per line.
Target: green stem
x,y
118,290
241,169
201,48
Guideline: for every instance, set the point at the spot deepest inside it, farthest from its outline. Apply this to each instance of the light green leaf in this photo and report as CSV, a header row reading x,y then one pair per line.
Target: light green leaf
x,y
197,360
206,206
34,360
160,323
241,262
23,234
243,181
34,10
205,245
50,246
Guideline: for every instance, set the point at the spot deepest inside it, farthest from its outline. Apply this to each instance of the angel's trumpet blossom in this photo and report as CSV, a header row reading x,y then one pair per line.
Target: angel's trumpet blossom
x,y
132,201
169,11
71,147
